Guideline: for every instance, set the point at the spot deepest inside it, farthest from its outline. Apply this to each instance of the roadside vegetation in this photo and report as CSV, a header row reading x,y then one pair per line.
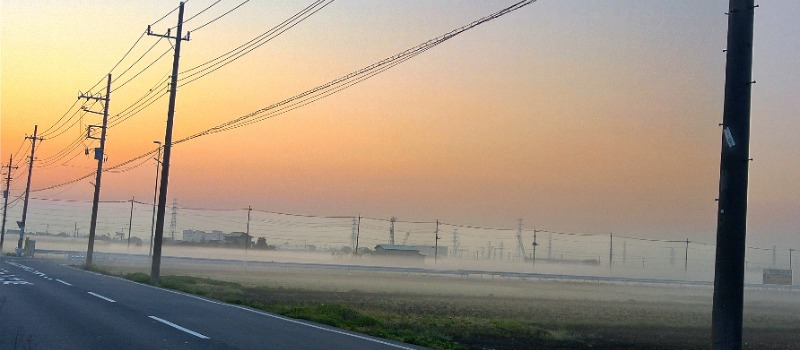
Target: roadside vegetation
x,y
421,325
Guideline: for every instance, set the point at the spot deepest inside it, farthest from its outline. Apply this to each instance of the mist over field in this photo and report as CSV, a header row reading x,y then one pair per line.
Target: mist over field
x,y
699,268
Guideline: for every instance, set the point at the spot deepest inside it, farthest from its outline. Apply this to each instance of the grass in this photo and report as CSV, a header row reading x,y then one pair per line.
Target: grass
x,y
457,313
419,327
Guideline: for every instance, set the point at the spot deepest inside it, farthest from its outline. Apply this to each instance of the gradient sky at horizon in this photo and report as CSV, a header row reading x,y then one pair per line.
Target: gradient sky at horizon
x,y
578,116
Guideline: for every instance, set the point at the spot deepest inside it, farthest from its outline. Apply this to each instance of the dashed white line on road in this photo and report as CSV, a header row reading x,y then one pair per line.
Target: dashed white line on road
x,y
102,297
168,323
63,282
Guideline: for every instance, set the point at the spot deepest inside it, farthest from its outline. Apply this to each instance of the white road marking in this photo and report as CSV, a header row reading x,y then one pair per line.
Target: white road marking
x,y
6,278
284,318
63,282
102,297
264,313
168,323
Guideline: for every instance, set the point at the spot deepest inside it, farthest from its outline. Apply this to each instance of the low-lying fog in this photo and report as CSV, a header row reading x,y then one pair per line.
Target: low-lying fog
x,y
696,268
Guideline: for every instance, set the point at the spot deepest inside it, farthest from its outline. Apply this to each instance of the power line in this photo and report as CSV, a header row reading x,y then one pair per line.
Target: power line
x,y
324,90
215,19
137,60
45,132
232,55
142,103
348,80
201,12
143,69
165,16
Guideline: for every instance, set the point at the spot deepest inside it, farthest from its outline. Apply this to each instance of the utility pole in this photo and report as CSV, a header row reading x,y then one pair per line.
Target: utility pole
x,y
99,154
726,317
155,269
6,193
436,245
391,230
533,245
686,258
21,224
611,249
155,193
790,258
358,233
130,223
247,233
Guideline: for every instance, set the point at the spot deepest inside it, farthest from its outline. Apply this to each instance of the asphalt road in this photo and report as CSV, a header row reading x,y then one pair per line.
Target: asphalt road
x,y
44,305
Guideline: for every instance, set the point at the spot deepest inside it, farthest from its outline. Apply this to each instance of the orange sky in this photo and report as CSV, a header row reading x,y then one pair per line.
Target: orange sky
x,y
582,116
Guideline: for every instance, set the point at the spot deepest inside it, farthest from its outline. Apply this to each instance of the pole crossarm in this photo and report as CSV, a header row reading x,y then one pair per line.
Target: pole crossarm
x,y
90,96
167,36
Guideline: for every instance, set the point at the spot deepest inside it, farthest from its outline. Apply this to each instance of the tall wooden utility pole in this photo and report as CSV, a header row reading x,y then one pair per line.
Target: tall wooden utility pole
x,y
247,234
726,318
99,154
155,193
6,193
436,246
155,269
21,224
130,223
610,249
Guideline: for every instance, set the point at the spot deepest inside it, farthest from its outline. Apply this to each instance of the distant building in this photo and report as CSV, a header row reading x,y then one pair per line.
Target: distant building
x,y
429,250
398,251
197,236
778,277
193,236
238,239
390,253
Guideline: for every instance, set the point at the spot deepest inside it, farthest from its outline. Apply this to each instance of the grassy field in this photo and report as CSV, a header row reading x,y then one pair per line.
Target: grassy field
x,y
475,313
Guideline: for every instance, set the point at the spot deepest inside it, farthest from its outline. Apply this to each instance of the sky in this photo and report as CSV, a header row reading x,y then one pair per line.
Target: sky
x,y
576,116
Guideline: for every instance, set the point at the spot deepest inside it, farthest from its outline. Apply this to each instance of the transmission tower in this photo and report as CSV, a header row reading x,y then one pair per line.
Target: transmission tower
x,y
173,224
456,242
520,246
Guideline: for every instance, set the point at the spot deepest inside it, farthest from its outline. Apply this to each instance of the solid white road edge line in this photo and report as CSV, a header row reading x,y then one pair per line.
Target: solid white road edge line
x,y
62,282
264,313
102,297
287,319
168,323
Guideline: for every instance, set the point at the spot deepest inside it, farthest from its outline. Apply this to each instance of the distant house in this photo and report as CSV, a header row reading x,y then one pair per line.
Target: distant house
x,y
398,251
430,251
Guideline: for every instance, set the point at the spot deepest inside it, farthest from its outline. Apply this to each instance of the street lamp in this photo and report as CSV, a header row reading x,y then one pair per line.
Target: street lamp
x,y
155,192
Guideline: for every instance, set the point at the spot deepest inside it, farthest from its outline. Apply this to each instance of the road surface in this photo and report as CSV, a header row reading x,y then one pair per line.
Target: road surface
x,y
44,305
